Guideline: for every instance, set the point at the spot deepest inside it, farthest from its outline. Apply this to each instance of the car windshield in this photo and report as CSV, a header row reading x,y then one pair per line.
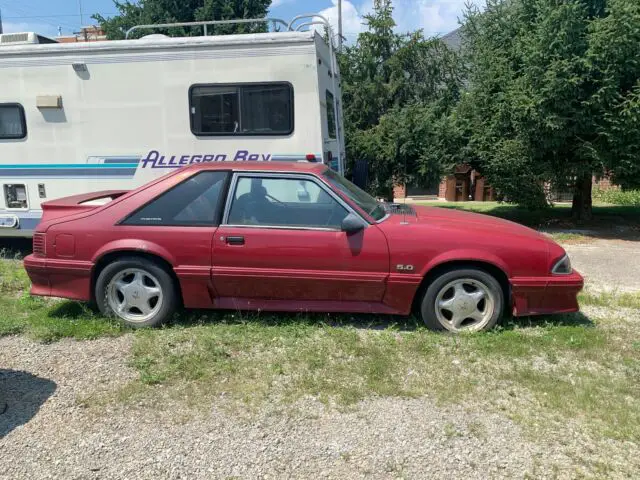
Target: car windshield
x,y
358,196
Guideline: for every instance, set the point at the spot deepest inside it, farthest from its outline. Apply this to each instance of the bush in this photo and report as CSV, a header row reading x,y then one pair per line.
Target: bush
x,y
618,197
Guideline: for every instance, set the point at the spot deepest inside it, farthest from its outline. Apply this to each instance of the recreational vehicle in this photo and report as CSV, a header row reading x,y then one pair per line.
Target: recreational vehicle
x,y
81,117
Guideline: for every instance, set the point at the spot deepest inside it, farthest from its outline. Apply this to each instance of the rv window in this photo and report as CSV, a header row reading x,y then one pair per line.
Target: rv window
x,y
252,109
331,115
12,121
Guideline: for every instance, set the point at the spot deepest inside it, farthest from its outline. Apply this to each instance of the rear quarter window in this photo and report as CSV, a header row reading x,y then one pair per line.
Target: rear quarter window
x,y
195,202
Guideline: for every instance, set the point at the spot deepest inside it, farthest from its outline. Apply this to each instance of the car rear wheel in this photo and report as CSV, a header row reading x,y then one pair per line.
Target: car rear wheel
x,y
463,300
137,291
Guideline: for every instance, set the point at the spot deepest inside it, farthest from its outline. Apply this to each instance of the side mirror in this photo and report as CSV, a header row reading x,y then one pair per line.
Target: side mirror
x,y
352,224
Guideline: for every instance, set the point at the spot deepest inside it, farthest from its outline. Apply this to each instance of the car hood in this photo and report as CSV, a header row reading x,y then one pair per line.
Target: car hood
x,y
453,218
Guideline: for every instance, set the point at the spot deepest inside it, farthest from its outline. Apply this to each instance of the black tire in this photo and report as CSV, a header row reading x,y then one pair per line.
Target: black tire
x,y
166,284
428,304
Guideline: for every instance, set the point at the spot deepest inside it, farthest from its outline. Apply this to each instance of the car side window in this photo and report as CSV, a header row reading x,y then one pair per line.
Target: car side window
x,y
195,202
284,202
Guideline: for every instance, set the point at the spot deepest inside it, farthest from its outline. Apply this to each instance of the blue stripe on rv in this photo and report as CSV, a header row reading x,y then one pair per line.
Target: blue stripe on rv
x,y
69,170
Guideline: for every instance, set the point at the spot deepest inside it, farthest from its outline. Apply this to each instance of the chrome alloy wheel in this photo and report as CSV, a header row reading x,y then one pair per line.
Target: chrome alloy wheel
x,y
134,295
464,304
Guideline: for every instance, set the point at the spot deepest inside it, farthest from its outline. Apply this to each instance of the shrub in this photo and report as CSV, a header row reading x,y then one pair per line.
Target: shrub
x,y
618,197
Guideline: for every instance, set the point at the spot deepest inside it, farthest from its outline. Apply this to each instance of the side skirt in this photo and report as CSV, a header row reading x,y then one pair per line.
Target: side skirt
x,y
331,306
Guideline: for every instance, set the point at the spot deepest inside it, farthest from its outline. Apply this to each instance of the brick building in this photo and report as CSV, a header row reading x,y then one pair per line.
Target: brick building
x,y
91,33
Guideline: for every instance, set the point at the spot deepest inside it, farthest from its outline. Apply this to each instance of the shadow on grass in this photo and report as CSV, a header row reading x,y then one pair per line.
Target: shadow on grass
x,y
577,319
72,311
188,318
15,247
360,321
76,311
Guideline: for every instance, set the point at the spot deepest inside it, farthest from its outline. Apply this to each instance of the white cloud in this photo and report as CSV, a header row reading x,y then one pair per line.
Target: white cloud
x,y
352,22
435,17
277,3
48,30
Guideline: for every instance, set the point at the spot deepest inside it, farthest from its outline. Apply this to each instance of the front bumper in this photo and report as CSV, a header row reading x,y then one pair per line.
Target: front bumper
x,y
59,278
546,295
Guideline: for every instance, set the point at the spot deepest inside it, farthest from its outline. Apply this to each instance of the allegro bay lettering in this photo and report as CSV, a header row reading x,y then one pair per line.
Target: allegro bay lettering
x,y
155,160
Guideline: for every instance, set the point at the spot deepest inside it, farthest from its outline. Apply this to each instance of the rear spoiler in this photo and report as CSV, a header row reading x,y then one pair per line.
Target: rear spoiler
x,y
66,206
76,200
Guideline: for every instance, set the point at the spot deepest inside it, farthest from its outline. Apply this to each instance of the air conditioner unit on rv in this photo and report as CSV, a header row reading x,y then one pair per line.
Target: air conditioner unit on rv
x,y
24,38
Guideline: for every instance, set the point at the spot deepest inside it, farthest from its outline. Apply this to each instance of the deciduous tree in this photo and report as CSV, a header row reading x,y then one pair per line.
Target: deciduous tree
x,y
553,95
172,11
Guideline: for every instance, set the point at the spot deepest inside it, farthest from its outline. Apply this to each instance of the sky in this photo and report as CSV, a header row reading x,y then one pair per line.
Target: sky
x,y
435,17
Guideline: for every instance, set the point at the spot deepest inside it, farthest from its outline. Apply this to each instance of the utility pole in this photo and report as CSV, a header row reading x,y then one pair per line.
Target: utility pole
x,y
81,16
340,25
0,34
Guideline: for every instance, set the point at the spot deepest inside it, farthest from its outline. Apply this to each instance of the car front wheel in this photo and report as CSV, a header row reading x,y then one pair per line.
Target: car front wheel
x,y
463,300
136,290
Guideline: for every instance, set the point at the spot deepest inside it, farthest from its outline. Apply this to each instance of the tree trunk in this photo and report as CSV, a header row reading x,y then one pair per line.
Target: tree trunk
x,y
581,207
388,196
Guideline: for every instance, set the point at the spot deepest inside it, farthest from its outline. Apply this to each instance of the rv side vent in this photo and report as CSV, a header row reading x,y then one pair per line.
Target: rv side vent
x,y
24,38
14,38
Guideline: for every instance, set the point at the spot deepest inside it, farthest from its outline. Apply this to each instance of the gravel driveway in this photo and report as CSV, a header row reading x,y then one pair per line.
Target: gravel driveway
x,y
608,264
49,432
380,438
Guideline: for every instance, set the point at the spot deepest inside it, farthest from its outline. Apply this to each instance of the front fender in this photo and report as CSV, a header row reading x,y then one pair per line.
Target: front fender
x,y
135,245
466,254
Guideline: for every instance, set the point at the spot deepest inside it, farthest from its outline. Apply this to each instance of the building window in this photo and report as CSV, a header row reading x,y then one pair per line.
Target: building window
x,y
12,121
331,115
248,109
284,202
195,202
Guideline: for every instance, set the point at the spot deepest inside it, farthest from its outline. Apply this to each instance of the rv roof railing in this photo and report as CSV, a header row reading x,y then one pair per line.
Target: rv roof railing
x,y
205,24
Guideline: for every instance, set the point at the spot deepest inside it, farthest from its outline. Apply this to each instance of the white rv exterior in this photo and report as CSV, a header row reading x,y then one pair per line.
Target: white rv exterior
x,y
81,117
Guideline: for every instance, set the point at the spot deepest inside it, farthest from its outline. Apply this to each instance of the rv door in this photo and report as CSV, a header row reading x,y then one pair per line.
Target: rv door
x,y
331,144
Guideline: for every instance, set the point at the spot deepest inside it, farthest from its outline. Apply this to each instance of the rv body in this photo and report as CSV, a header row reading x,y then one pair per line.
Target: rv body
x,y
81,117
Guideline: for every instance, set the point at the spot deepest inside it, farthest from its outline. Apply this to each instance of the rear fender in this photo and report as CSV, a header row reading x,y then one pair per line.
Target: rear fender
x,y
134,245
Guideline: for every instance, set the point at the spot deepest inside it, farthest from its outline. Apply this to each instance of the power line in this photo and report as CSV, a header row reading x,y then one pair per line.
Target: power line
x,y
42,19
58,16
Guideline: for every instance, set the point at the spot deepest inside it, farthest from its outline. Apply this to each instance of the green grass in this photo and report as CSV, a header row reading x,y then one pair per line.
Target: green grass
x,y
43,319
611,299
570,238
538,371
557,216
567,370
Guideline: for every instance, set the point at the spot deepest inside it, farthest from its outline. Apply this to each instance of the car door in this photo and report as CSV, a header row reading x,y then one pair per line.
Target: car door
x,y
281,239
181,222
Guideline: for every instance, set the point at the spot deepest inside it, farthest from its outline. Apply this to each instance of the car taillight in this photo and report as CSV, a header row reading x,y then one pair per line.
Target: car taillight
x,y
39,245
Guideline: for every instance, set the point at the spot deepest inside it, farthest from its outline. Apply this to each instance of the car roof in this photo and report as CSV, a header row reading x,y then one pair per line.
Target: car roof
x,y
270,166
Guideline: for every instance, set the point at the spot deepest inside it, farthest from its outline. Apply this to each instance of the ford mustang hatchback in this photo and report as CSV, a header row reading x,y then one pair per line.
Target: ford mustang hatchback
x,y
291,237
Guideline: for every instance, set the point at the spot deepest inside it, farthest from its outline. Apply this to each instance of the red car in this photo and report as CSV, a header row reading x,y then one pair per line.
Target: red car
x,y
291,237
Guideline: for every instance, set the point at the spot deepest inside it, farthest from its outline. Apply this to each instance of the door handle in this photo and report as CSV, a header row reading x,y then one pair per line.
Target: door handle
x,y
235,240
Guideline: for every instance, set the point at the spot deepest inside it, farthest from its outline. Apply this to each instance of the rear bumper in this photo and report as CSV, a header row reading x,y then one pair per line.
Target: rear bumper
x,y
546,295
59,278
